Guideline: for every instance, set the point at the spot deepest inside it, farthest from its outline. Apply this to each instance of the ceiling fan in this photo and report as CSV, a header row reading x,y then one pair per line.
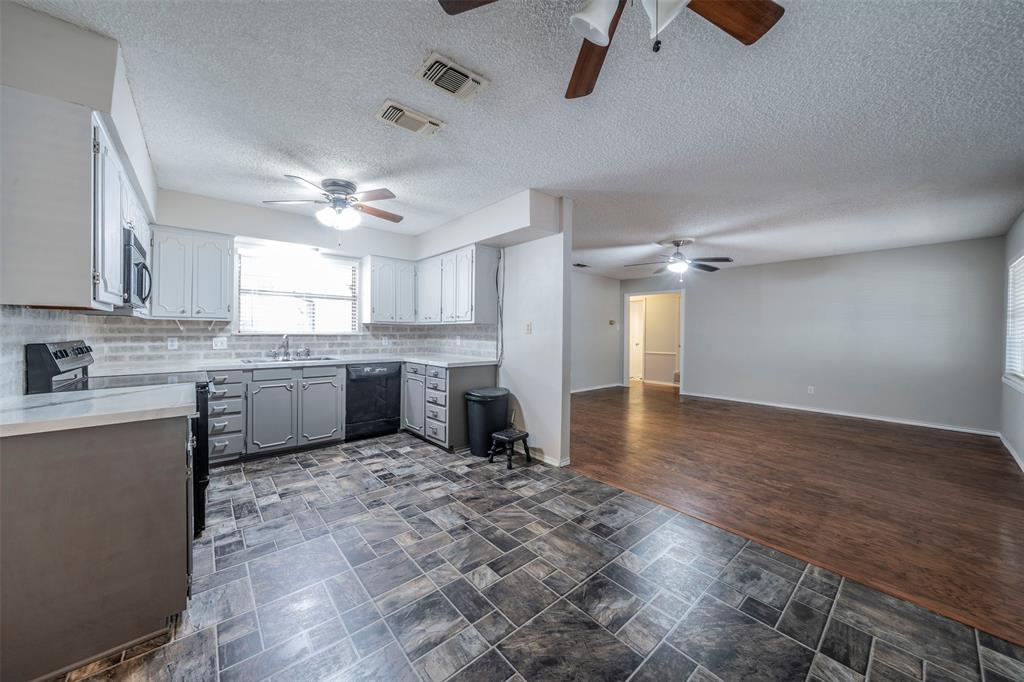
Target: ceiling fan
x,y
342,204
677,262
745,20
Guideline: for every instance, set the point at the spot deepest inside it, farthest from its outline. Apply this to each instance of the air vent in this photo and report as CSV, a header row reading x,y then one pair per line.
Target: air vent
x,y
448,76
580,265
404,117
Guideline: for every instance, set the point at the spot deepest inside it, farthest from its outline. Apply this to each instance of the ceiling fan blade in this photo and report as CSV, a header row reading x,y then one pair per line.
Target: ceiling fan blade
x,y
373,195
660,270
705,268
590,60
304,181
454,7
722,259
657,262
377,213
296,201
744,20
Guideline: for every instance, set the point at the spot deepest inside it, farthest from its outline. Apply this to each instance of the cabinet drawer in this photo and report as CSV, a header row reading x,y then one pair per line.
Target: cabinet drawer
x,y
437,372
271,374
436,431
438,414
222,425
226,391
225,376
320,371
437,398
415,368
217,408
437,384
225,446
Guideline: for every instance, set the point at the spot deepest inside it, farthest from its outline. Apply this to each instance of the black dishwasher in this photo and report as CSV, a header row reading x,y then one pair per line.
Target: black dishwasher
x,y
373,400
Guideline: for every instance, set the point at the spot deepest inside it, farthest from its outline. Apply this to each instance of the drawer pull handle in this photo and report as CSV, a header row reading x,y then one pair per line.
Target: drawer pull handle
x,y
220,378
433,413
217,409
219,425
218,394
220,444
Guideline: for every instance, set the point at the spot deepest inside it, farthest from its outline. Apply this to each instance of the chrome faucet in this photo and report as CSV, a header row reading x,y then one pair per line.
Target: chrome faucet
x,y
282,352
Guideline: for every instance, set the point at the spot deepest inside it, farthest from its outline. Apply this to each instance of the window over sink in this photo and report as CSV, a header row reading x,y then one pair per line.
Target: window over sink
x,y
290,289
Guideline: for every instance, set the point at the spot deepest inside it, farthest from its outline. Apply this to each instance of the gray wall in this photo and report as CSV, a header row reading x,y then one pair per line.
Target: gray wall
x,y
120,342
1013,399
596,358
910,334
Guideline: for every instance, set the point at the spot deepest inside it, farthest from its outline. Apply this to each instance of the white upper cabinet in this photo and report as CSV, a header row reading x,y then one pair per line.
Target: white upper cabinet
x,y
108,253
212,270
428,291
405,291
193,274
464,286
388,291
449,266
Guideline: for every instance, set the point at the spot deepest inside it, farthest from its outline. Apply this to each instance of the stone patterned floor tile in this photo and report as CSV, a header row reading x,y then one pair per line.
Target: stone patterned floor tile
x,y
605,601
423,625
574,550
665,665
445,659
519,596
490,667
282,619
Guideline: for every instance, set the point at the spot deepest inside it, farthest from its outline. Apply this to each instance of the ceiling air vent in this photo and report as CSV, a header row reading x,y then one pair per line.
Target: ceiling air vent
x,y
448,76
404,117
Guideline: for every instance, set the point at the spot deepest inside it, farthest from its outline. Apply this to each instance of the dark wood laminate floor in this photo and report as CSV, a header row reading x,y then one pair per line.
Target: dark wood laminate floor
x,y
934,517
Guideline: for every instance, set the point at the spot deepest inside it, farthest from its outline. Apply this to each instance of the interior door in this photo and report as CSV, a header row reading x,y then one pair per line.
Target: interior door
x,y
428,290
212,267
405,291
172,275
464,285
449,286
108,244
636,338
383,291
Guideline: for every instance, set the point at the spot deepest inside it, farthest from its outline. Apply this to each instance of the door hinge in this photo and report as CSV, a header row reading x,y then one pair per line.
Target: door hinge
x,y
95,277
95,146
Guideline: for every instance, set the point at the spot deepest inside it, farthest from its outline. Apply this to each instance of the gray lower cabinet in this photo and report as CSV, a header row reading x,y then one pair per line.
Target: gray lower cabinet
x,y
273,415
321,405
413,403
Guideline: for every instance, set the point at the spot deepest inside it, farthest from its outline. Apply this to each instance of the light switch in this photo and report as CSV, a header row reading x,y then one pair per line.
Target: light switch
x,y
529,327
220,342
172,343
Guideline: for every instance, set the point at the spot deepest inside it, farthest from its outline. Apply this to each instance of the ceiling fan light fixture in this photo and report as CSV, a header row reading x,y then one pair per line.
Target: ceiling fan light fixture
x,y
679,266
347,218
662,12
593,21
326,216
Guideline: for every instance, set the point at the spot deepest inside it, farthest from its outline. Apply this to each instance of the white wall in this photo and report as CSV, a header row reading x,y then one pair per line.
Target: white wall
x,y
133,143
192,211
1012,412
596,345
906,334
535,368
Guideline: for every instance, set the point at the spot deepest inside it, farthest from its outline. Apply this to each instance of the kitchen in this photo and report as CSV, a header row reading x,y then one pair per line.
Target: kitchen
x,y
155,342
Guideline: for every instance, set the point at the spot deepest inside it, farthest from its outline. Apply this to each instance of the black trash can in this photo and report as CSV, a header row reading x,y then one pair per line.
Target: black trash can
x,y
487,412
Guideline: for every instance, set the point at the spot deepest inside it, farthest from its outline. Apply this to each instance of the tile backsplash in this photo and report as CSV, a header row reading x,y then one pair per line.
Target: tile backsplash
x,y
120,342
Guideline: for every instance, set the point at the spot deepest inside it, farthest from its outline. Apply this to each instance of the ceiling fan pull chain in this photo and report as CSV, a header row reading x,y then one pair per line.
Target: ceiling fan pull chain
x,y
657,36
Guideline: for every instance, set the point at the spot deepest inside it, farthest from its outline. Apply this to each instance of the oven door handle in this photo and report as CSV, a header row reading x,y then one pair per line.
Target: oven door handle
x,y
149,281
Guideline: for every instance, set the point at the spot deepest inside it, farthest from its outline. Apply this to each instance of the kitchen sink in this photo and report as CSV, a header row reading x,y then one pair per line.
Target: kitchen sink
x,y
272,361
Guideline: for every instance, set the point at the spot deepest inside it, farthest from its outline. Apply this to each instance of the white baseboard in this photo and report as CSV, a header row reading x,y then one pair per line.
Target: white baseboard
x,y
659,383
857,415
1013,453
597,388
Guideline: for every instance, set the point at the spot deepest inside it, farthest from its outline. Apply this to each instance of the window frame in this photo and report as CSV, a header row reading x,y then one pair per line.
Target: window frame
x,y
236,325
1014,377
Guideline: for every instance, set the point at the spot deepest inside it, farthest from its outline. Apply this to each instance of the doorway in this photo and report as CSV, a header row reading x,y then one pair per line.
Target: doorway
x,y
654,338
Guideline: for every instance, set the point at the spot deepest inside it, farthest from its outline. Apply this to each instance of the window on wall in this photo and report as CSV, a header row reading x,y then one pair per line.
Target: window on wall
x,y
288,289
1015,320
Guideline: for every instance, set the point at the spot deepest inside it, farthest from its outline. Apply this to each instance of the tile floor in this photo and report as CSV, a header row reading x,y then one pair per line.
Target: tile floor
x,y
392,560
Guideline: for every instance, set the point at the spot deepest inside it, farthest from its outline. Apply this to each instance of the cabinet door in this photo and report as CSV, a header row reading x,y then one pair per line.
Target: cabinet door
x,y
405,292
108,286
382,285
449,265
428,290
212,268
464,286
320,403
413,404
273,413
172,275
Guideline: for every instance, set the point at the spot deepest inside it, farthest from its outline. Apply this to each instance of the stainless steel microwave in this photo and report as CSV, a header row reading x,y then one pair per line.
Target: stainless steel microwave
x,y
138,278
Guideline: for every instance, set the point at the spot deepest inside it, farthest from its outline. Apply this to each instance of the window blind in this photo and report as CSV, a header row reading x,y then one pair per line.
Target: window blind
x,y
295,290
1015,320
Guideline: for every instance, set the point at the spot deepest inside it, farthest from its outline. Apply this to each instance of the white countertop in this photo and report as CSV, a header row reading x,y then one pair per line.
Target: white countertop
x,y
194,365
20,415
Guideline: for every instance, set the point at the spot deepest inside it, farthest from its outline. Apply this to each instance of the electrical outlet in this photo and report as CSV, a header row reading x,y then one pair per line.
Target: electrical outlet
x,y
220,342
385,341
810,390
172,343
458,340
529,327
